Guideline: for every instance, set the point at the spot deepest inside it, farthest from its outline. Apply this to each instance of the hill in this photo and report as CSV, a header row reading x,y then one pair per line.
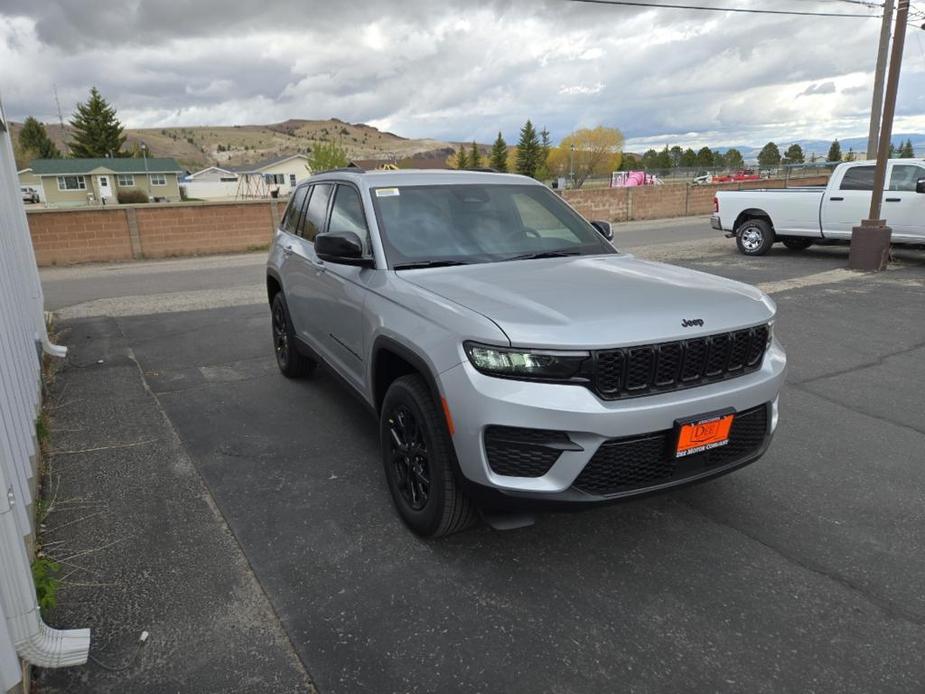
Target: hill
x,y
196,147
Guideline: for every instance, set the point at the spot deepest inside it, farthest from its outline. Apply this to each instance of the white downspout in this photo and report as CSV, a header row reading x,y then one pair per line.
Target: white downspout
x,y
35,641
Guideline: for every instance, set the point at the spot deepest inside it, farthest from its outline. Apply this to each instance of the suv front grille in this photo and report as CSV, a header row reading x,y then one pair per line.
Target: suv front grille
x,y
519,452
647,369
621,465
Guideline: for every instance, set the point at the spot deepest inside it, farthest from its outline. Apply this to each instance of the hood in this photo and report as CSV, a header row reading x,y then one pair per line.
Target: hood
x,y
596,301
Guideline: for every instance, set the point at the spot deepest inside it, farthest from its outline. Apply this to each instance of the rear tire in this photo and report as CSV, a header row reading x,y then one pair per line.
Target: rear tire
x,y
797,243
291,363
754,237
419,461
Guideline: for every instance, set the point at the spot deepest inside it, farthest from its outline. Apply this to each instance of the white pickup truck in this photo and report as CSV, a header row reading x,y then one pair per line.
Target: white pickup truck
x,y
799,217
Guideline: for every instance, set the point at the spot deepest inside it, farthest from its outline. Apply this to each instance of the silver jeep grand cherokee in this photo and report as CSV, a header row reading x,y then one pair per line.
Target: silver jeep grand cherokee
x,y
511,354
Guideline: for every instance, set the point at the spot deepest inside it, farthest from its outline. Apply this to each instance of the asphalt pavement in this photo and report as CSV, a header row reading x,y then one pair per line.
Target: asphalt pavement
x,y
799,573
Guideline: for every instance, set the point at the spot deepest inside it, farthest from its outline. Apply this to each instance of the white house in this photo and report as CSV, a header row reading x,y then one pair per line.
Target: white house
x,y
259,180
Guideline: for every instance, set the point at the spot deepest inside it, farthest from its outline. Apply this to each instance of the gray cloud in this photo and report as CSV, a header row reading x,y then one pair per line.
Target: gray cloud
x,y
453,69
821,88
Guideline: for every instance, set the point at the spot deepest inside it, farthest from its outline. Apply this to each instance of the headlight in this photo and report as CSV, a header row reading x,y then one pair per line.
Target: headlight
x,y
539,364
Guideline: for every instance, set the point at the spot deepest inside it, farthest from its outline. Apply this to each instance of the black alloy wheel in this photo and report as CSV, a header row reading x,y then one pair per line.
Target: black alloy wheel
x,y
290,361
409,456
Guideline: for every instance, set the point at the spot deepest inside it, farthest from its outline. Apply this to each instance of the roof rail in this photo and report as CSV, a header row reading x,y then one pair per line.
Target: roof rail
x,y
344,169
483,169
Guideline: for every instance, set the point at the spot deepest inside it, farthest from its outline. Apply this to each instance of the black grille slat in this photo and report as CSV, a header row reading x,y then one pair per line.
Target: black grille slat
x,y
695,357
758,345
621,465
668,364
640,370
738,352
639,363
610,371
718,355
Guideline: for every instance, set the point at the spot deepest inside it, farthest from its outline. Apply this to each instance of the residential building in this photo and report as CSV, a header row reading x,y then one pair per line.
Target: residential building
x,y
77,182
258,180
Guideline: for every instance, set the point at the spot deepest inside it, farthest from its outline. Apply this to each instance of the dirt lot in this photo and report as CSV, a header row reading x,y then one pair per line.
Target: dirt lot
x,y
243,519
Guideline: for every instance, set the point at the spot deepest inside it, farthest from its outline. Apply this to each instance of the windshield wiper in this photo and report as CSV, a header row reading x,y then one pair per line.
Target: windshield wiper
x,y
543,254
429,263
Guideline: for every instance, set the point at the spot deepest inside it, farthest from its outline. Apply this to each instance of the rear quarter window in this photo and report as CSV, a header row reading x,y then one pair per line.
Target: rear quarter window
x,y
858,178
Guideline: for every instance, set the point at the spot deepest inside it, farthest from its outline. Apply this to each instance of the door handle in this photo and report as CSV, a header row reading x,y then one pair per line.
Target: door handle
x,y
893,200
836,199
288,250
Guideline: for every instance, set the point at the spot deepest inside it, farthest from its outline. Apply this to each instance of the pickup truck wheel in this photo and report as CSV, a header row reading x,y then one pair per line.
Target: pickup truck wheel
x,y
418,458
754,237
291,363
797,244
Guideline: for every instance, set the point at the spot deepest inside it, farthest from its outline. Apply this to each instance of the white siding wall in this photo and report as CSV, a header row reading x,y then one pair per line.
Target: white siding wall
x,y
210,190
22,335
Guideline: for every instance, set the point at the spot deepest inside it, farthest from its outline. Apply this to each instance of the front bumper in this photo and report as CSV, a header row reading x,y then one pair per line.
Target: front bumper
x,y
478,402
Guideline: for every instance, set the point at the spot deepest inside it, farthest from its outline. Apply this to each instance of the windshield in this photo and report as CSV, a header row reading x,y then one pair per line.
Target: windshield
x,y
474,223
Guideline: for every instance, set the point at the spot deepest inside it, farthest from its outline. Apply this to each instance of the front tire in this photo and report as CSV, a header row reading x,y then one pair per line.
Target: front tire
x,y
291,363
797,243
754,237
419,461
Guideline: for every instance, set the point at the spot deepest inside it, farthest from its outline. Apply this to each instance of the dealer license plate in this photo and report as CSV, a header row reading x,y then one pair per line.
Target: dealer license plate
x,y
703,435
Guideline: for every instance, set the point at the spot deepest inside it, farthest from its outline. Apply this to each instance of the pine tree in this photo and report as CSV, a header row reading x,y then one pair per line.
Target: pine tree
x,y
907,151
97,131
892,151
542,167
769,155
794,154
851,155
498,159
528,151
475,157
834,151
462,161
34,141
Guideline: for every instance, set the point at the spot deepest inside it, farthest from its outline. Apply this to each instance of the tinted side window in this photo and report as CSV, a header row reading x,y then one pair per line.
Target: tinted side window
x,y
313,220
347,212
904,177
858,178
294,211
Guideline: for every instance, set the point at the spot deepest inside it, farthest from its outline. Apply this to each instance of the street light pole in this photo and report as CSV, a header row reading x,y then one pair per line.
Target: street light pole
x,y
870,242
876,106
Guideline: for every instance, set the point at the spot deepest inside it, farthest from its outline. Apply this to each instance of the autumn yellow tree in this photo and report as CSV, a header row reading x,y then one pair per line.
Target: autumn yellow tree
x,y
597,152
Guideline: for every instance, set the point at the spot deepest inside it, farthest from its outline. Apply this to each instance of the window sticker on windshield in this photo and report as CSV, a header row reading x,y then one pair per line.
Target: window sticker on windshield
x,y
386,192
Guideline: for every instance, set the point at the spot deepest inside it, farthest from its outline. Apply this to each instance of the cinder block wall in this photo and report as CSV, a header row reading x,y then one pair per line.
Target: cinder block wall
x,y
660,202
127,232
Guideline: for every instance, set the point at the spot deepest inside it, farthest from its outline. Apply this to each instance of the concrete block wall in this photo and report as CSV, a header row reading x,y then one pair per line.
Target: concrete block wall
x,y
661,202
134,232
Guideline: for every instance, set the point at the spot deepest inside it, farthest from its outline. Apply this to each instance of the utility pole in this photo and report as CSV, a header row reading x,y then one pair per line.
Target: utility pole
x,y
876,107
870,242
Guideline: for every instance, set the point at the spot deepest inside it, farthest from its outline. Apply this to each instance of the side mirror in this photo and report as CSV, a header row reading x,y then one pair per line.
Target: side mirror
x,y
343,248
920,186
605,229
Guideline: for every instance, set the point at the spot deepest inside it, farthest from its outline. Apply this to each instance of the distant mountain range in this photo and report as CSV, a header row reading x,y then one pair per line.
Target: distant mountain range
x,y
821,147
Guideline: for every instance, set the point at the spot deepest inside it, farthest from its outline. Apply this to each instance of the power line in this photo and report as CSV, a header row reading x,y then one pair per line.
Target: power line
x,y
743,10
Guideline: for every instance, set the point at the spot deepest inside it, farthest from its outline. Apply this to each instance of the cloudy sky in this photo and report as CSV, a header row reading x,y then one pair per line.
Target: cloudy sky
x,y
460,69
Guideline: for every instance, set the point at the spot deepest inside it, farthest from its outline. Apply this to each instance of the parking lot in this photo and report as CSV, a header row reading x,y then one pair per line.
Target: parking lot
x,y
802,572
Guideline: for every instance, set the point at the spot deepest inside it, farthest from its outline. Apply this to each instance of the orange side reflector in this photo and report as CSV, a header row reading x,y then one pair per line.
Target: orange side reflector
x,y
449,418
702,436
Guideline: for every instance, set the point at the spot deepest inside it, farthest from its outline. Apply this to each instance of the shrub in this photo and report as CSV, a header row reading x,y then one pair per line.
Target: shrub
x,y
131,196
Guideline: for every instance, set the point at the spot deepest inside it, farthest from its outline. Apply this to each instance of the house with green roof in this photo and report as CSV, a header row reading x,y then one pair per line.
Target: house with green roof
x,y
77,182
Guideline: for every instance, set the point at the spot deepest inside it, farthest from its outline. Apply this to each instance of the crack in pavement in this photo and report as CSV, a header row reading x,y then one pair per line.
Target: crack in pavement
x,y
884,605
